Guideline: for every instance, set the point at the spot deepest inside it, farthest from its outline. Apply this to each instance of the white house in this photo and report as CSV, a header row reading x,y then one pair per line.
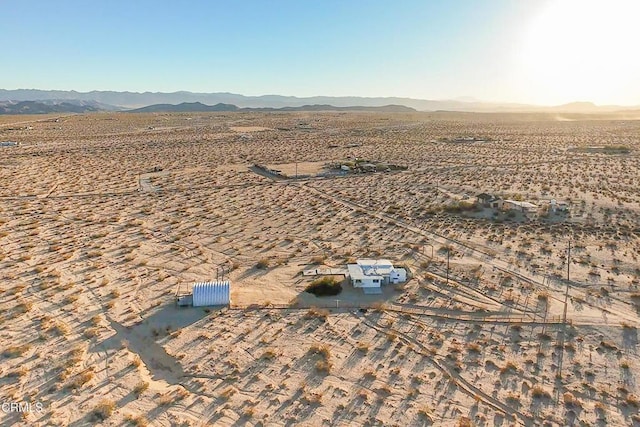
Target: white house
x,y
370,274
516,205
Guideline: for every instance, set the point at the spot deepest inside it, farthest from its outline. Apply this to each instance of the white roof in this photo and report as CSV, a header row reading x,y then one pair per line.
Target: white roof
x,y
356,272
370,269
374,263
521,204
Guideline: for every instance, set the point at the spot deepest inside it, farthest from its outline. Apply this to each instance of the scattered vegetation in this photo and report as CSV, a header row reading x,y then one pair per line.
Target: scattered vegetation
x,y
325,286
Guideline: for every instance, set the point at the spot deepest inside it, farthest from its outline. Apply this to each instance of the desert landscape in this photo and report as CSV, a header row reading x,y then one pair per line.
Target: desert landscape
x,y
509,318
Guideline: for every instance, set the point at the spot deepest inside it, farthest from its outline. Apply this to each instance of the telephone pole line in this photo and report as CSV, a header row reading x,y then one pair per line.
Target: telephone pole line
x,y
566,294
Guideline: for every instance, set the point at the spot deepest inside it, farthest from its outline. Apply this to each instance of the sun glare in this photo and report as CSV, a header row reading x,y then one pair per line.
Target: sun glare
x,y
582,50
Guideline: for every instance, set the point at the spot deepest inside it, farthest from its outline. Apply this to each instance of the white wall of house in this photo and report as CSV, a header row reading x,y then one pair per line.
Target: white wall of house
x,y
368,282
374,273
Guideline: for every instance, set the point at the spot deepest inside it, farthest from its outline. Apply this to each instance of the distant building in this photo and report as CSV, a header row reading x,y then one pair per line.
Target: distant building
x,y
488,200
559,206
371,274
516,205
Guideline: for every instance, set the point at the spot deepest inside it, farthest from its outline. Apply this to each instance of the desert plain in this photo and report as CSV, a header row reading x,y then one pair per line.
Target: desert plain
x,y
507,319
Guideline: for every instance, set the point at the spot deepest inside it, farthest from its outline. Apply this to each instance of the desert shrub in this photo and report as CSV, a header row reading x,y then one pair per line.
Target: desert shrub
x,y
632,400
141,387
91,332
104,409
16,350
80,380
323,366
317,260
426,414
323,350
325,286
268,354
317,313
543,296
540,393
138,420
263,264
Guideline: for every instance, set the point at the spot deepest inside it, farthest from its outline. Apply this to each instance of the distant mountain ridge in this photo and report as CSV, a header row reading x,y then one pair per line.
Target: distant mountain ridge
x,y
199,107
184,108
137,100
51,106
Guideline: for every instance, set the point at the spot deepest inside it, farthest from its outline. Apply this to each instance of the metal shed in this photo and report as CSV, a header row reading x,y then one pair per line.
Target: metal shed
x,y
217,292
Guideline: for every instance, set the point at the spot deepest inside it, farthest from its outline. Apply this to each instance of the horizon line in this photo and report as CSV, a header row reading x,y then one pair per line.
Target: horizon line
x,y
456,99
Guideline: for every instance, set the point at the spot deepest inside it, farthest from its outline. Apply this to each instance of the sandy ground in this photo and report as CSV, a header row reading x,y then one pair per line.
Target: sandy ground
x,y
249,128
95,240
302,168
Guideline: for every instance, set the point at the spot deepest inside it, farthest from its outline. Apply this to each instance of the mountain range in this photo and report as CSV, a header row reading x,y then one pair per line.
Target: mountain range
x,y
52,106
200,107
111,100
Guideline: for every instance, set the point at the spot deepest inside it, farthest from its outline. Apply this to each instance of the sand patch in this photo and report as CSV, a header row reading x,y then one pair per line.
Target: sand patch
x,y
302,168
249,128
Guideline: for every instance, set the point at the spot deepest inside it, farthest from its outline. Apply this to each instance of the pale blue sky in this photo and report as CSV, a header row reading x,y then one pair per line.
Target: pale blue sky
x,y
414,48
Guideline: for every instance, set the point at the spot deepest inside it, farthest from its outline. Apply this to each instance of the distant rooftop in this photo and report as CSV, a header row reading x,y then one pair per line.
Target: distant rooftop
x,y
522,204
374,262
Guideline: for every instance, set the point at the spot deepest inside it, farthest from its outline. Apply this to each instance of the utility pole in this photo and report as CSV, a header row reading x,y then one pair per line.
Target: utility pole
x,y
566,295
448,251
296,169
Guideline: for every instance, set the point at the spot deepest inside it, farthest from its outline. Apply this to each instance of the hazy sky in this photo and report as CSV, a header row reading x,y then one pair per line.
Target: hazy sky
x,y
534,51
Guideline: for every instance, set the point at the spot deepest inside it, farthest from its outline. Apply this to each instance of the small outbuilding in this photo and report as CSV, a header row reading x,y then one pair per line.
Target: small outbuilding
x,y
516,205
488,200
216,292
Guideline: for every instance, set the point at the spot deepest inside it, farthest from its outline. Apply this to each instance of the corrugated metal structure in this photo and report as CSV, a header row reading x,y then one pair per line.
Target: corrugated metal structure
x,y
217,292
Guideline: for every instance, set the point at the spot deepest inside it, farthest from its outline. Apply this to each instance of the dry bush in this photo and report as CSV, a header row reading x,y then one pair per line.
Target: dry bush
x,y
474,348
378,306
325,286
632,400
91,332
81,379
137,420
543,296
141,387
426,414
263,264
317,313
165,399
136,361
227,393
318,260
538,392
323,350
509,368
268,354
570,400
16,350
104,409
363,346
